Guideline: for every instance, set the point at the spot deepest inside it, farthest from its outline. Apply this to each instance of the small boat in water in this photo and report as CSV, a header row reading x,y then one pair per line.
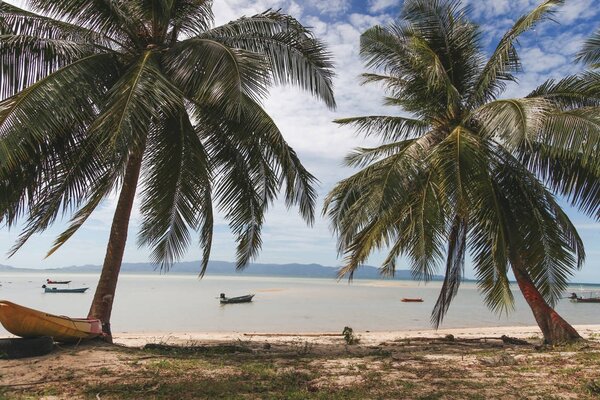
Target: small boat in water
x,y
51,282
29,323
592,298
412,300
57,290
231,300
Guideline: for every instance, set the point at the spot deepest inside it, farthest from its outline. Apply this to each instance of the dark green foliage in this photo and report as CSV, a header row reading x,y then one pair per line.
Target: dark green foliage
x,y
467,174
85,84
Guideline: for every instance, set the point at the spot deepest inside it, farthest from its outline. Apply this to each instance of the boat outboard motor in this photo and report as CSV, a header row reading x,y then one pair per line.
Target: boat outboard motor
x,y
43,286
573,296
222,296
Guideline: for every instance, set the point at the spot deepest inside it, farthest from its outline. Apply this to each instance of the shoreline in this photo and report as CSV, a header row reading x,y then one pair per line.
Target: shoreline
x,y
139,339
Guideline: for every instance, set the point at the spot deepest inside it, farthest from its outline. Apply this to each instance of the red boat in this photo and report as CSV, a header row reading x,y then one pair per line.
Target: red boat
x,y
57,282
412,300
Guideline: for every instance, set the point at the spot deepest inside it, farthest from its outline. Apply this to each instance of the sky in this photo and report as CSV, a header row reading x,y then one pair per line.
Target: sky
x,y
547,52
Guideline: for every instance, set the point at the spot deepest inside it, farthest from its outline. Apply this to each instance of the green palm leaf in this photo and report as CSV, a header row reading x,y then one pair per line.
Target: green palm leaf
x,y
590,53
466,175
293,54
505,60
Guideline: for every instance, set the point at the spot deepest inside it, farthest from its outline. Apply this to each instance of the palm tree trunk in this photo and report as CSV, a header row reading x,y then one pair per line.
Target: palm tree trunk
x,y
105,292
554,328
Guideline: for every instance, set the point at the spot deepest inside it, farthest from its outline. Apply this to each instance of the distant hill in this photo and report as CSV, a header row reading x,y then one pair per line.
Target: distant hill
x,y
228,268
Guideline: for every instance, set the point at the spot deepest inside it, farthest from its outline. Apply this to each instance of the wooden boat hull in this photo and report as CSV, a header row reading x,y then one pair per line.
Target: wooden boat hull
x,y
410,300
234,300
56,290
586,300
29,323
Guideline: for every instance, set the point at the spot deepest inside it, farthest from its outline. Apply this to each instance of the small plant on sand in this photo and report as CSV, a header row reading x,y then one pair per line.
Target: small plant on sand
x,y
302,348
349,337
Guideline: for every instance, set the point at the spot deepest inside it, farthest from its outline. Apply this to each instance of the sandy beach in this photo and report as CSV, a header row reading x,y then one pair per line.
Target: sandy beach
x,y
366,337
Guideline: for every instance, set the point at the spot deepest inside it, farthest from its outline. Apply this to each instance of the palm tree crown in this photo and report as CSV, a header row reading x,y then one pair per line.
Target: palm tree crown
x,y
88,85
467,171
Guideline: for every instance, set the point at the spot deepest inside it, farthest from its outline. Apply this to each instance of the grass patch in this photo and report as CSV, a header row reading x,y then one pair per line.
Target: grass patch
x,y
286,371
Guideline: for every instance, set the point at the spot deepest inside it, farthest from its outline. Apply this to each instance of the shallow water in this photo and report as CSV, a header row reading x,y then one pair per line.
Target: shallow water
x,y
183,303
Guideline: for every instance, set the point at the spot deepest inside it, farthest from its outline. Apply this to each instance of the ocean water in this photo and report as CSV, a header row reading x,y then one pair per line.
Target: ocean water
x,y
184,303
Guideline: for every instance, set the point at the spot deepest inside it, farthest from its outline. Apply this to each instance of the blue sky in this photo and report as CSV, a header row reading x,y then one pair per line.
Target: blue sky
x,y
547,52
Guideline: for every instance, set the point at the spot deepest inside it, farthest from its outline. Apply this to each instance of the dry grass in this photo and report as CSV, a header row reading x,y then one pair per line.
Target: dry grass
x,y
402,369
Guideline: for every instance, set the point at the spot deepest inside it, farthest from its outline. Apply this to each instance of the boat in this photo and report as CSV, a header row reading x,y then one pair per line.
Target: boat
x,y
231,300
590,299
51,282
411,300
29,323
56,290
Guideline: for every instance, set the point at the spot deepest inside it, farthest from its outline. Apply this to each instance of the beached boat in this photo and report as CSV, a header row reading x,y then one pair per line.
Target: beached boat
x,y
232,300
29,323
591,298
412,300
51,282
65,290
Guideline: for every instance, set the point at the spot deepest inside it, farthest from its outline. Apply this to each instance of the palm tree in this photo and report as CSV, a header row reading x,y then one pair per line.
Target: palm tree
x,y
99,94
469,172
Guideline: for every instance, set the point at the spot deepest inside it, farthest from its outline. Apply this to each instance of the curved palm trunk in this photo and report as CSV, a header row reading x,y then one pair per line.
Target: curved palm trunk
x,y
105,292
555,329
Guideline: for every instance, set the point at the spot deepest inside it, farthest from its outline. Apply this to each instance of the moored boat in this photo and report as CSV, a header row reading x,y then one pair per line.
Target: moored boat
x,y
51,282
63,290
231,300
29,323
590,299
411,300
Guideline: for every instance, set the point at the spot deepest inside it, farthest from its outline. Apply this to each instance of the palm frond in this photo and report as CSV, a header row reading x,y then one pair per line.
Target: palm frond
x,y
133,101
505,60
211,72
455,265
299,182
544,240
177,178
514,122
295,56
118,20
568,174
363,157
191,17
245,184
392,201
590,52
36,154
571,92
385,127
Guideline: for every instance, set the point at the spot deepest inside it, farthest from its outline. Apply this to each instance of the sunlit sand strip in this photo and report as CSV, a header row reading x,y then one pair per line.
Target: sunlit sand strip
x,y
367,338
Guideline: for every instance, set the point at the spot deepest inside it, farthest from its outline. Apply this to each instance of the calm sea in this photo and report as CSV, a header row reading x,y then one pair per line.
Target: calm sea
x,y
183,303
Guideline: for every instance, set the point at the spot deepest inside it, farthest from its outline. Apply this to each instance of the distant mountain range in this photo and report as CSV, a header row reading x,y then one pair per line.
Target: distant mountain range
x,y
228,268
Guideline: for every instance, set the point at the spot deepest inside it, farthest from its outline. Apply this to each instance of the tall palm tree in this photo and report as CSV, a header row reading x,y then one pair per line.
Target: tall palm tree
x,y
468,173
99,94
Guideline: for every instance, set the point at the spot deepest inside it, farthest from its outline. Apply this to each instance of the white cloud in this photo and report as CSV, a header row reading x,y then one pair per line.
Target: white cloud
x,y
330,7
578,9
536,60
376,6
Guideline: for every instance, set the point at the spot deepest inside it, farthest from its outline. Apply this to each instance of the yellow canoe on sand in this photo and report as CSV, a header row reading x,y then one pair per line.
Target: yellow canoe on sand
x,y
29,323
